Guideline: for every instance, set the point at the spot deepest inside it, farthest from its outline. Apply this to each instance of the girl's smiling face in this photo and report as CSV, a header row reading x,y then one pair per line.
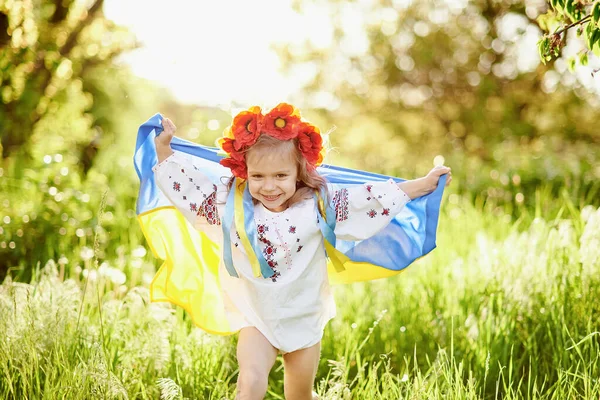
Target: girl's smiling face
x,y
272,176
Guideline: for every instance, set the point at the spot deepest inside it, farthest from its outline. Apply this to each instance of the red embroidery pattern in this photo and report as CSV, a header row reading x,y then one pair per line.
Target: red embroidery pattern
x,y
369,187
276,275
386,211
193,207
269,252
340,201
261,229
292,229
177,186
209,210
372,213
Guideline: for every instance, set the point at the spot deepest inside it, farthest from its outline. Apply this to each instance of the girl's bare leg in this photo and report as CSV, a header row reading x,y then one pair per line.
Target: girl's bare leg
x,y
256,357
300,372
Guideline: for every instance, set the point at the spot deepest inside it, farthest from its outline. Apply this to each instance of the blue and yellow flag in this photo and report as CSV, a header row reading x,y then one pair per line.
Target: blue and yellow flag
x,y
189,275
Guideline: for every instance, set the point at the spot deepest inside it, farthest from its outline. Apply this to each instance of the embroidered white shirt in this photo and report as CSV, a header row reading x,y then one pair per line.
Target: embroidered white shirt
x,y
292,307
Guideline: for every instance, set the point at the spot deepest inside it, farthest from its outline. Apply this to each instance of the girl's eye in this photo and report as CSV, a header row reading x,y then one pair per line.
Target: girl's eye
x,y
281,175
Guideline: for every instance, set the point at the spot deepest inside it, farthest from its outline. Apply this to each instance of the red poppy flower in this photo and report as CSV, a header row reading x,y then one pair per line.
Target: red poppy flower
x,y
282,122
246,128
228,146
237,167
310,143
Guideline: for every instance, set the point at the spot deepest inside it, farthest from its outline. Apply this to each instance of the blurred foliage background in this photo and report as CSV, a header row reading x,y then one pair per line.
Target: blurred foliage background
x,y
406,84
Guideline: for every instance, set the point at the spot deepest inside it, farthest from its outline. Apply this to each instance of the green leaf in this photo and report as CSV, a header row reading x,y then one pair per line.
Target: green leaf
x,y
570,10
596,48
595,13
583,58
571,63
594,38
543,48
588,35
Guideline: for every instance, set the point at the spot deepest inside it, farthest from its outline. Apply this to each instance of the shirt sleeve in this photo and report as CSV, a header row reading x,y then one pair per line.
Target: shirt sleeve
x,y
364,210
188,189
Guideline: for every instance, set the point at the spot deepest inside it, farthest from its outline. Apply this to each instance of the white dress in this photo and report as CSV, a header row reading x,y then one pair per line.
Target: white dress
x,y
291,308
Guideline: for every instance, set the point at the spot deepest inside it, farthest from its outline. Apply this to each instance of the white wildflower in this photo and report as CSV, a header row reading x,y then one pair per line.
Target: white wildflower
x,y
139,252
86,253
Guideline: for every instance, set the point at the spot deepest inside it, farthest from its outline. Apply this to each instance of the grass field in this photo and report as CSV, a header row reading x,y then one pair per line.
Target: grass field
x,y
502,309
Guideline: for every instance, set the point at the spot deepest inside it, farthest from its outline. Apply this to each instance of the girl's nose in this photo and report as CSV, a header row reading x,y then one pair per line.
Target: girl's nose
x,y
269,184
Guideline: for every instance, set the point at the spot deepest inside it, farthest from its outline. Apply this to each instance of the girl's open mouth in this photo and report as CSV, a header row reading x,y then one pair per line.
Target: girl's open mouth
x,y
271,198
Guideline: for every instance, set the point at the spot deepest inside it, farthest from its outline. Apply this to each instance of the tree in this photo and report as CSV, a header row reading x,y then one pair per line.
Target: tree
x,y
46,50
564,15
408,81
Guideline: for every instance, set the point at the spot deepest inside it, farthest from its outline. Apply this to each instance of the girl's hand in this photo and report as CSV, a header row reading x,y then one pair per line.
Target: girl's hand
x,y
425,185
433,176
163,141
165,137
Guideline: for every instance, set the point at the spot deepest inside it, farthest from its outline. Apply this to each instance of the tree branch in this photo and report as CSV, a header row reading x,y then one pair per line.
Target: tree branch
x,y
581,21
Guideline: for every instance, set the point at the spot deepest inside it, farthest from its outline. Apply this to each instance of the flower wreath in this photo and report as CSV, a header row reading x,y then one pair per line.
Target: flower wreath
x,y
282,122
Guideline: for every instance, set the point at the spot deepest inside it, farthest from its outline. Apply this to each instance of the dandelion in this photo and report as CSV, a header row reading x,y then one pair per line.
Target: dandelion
x,y
103,269
92,274
86,253
136,263
117,276
139,252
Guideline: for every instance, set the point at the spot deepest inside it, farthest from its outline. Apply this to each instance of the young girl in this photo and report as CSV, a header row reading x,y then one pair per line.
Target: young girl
x,y
275,224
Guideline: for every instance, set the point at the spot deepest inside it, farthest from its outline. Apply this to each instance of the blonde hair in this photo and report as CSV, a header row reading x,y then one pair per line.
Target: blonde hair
x,y
309,180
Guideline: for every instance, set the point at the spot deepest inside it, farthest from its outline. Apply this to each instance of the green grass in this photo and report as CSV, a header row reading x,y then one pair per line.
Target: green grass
x,y
500,310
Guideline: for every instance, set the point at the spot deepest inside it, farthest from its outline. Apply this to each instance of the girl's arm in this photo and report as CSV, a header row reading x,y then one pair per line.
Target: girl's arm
x,y
364,210
427,184
186,187
163,141
163,151
416,187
